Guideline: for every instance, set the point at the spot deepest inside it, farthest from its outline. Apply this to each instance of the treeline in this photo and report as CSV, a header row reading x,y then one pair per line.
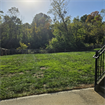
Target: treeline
x,y
54,36
15,35
80,34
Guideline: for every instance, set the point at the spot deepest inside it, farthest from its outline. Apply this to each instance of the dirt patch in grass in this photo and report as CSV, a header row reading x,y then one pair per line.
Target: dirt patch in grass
x,y
43,68
21,73
10,75
39,75
27,71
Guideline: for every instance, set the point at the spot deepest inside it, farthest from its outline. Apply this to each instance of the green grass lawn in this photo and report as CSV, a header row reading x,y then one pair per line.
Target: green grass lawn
x,y
29,74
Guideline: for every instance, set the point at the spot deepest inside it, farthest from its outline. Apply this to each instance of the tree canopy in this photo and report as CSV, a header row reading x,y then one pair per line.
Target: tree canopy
x,y
61,34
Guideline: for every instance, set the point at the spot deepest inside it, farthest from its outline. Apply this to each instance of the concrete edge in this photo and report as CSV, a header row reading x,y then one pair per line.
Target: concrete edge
x,y
41,95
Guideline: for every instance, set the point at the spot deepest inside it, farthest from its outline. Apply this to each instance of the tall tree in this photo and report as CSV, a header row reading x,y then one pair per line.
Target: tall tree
x,y
62,34
59,11
41,19
11,29
41,32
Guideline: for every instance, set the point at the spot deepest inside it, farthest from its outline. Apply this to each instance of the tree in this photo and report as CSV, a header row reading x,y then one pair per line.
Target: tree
x,y
103,12
13,12
89,18
1,12
94,17
63,36
83,18
11,29
41,19
59,11
26,33
41,31
76,19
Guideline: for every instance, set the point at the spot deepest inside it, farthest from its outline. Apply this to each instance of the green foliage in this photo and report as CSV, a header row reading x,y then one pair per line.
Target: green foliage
x,y
53,45
60,35
94,17
83,18
40,31
13,31
103,41
67,41
10,30
22,46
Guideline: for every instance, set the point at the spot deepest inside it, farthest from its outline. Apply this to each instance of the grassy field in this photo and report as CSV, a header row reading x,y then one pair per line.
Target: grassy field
x,y
29,74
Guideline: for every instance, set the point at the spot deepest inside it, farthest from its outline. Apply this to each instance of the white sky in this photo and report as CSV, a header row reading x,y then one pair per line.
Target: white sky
x,y
29,8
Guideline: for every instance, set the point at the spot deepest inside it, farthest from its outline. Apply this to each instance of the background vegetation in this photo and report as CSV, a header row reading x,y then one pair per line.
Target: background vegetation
x,y
59,34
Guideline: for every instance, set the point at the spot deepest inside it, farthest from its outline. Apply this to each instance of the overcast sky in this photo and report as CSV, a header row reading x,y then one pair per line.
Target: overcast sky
x,y
29,8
